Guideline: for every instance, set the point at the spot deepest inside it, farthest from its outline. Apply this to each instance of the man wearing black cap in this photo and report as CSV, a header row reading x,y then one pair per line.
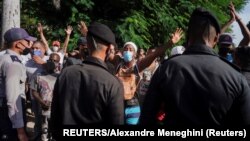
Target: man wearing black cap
x,y
198,88
89,93
12,85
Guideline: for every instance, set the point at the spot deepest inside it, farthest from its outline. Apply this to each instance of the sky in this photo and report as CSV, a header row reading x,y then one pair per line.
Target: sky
x,y
245,16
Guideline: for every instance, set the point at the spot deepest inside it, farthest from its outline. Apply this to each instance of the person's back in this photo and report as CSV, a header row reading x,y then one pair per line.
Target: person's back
x,y
201,92
89,101
88,93
198,88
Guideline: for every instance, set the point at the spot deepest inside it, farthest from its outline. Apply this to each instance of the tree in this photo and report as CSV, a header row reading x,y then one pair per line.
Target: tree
x,y
10,15
146,22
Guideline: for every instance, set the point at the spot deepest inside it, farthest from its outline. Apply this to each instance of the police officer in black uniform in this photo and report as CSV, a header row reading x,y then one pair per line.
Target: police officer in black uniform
x,y
89,93
198,88
12,85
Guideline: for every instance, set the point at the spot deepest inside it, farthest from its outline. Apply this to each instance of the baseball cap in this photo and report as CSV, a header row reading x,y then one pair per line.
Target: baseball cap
x,y
225,39
101,32
15,34
132,44
177,50
82,41
56,43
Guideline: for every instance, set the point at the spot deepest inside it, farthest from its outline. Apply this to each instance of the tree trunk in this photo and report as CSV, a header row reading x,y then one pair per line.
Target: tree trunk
x,y
10,16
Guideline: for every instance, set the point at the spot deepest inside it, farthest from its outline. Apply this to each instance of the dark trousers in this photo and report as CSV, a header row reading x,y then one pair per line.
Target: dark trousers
x,y
7,133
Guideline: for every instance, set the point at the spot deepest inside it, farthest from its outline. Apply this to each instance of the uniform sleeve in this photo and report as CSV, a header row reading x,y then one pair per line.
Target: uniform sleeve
x,y
13,94
152,101
116,105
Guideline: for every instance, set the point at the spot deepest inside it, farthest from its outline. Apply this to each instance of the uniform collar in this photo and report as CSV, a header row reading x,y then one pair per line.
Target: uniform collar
x,y
11,52
95,61
200,49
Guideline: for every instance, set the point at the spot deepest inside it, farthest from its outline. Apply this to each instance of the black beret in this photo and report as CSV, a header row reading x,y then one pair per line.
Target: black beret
x,y
101,32
201,12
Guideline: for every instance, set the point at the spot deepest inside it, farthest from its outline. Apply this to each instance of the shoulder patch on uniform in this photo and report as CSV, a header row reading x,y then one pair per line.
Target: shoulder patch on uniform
x,y
15,58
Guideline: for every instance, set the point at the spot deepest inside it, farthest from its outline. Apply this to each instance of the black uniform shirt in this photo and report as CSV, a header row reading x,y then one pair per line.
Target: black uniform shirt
x,y
246,73
87,94
198,88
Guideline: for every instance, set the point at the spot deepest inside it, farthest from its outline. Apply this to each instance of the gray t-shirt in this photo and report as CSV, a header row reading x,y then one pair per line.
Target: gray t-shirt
x,y
44,85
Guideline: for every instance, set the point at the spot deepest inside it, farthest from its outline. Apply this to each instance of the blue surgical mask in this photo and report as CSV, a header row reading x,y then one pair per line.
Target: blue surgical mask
x,y
37,52
127,56
229,57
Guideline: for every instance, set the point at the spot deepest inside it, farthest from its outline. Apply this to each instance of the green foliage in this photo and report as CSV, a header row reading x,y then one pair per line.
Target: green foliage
x,y
145,22
54,20
135,28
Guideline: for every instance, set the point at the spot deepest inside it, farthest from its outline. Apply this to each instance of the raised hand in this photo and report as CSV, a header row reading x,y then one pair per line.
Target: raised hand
x,y
232,14
69,30
38,59
233,11
83,28
39,28
177,35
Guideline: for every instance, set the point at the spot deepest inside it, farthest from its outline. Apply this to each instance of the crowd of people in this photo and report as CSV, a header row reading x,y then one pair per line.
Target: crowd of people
x,y
100,84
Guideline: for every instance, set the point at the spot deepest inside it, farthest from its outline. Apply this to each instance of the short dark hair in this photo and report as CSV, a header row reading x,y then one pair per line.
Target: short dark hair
x,y
55,54
201,22
40,42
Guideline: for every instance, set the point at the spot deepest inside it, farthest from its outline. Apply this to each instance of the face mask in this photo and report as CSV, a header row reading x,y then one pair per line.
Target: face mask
x,y
53,67
127,56
55,48
26,51
229,57
37,52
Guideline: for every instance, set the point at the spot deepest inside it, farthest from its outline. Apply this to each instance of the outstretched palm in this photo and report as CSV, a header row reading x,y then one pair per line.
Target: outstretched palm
x,y
69,30
177,35
83,28
39,28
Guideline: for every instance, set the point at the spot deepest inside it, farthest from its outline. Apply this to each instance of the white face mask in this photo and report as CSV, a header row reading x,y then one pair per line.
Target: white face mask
x,y
55,48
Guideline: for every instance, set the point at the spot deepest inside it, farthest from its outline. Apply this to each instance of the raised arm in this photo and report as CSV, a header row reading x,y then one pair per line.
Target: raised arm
x,y
244,30
231,20
83,28
40,30
145,62
66,42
